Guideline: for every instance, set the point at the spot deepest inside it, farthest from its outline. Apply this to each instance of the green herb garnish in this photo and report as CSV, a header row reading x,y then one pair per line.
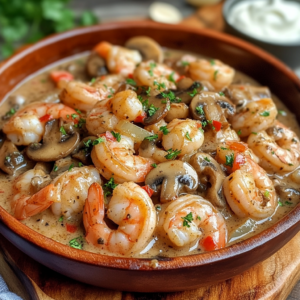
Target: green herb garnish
x,y
116,135
187,219
199,110
229,160
187,135
152,110
215,75
76,243
172,154
265,113
130,81
207,159
98,141
185,63
109,186
154,165
171,77
62,130
71,167
164,130
222,94
151,137
55,168
193,93
61,219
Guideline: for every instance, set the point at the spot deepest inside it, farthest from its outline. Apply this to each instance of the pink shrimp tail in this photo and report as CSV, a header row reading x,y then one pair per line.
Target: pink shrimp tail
x,y
26,207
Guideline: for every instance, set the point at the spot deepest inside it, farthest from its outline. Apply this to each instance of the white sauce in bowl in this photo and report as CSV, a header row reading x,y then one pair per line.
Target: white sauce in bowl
x,y
272,20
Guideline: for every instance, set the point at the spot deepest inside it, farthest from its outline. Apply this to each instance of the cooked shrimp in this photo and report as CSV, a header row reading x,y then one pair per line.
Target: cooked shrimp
x,y
158,76
191,217
66,193
71,188
130,207
28,124
119,60
117,159
183,135
215,72
84,96
278,148
254,117
26,200
248,190
107,113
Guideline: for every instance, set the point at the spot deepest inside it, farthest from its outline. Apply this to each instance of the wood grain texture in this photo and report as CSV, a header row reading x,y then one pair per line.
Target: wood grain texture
x,y
272,279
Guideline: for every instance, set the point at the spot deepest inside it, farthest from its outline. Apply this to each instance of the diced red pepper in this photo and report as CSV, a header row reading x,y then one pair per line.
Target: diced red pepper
x,y
109,137
237,146
71,228
242,87
209,244
130,76
180,77
140,118
102,77
46,118
217,125
56,76
239,160
148,189
199,125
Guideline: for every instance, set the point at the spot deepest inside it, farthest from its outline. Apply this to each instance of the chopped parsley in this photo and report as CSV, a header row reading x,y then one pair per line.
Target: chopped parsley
x,y
229,160
254,132
152,110
273,152
185,63
193,93
148,91
280,203
55,168
239,132
78,111
80,164
164,130
265,113
222,94
151,137
71,167
87,144
207,159
116,135
109,186
10,113
158,207
92,80
266,194
212,62
98,141
152,66
172,154
288,203
62,130
159,85
199,110
215,75
282,112
171,77
76,243
74,116
187,219
223,148
130,81
61,219
198,218
154,165
171,96
204,123
187,135
80,123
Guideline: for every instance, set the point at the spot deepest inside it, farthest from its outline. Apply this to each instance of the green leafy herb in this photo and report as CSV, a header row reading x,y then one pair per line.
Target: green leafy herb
x,y
204,123
159,85
200,129
265,113
198,218
212,62
88,143
187,135
164,130
78,111
193,93
80,164
171,77
215,75
171,96
62,130
280,203
266,194
76,243
148,91
109,186
222,94
154,165
223,148
158,207
282,112
10,113
151,137
55,168
291,165
92,80
81,122
239,132
130,81
98,141
229,160
288,203
116,135
152,66
61,219
185,63
272,152
152,110
187,219
172,154
199,110
254,132
207,159
71,167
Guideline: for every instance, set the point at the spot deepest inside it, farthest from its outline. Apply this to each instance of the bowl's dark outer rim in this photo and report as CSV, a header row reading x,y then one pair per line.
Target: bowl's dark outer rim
x,y
289,222
227,7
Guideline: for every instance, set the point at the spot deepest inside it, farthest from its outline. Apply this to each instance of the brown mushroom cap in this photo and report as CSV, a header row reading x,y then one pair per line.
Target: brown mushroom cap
x,y
64,164
288,193
214,106
95,65
55,144
211,175
11,159
149,49
172,177
82,152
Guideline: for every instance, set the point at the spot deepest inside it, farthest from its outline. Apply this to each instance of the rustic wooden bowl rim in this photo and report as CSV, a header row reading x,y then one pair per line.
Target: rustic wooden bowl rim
x,y
288,221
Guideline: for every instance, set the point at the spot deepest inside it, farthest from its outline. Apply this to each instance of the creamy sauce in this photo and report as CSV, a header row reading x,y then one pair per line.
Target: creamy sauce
x,y
273,20
39,87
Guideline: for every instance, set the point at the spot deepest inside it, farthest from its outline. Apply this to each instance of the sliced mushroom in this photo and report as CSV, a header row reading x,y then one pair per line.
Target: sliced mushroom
x,y
173,177
83,150
41,179
288,194
149,149
149,49
63,165
213,107
95,65
11,159
55,144
177,111
211,175
241,94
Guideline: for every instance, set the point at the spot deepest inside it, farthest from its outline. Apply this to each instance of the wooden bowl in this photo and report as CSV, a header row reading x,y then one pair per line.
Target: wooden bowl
x,y
171,274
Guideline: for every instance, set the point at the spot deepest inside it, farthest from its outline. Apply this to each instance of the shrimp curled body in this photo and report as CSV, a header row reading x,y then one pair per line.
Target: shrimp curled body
x,y
130,207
